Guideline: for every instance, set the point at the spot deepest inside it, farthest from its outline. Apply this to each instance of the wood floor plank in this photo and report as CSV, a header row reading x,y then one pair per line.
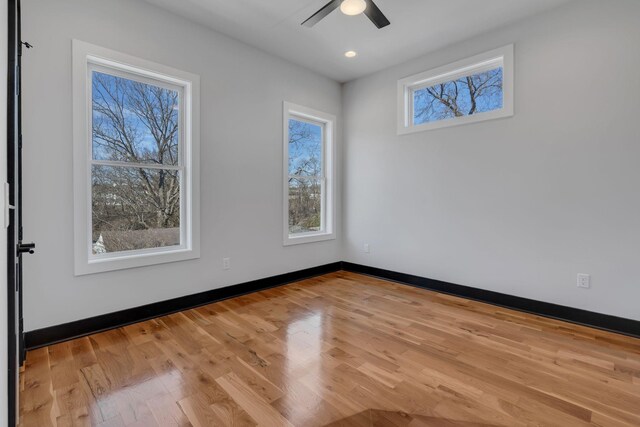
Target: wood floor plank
x,y
265,414
338,350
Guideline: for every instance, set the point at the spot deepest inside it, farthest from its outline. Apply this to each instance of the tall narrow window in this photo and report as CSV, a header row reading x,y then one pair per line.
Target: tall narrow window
x,y
308,191
134,167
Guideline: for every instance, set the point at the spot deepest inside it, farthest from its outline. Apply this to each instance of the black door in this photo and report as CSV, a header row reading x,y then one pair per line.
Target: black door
x,y
16,248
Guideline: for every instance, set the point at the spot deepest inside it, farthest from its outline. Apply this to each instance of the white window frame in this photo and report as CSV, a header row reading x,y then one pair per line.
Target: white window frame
x,y
86,58
501,57
328,122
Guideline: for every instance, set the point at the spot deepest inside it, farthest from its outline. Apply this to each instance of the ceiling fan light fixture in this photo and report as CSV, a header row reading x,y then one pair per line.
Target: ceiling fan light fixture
x,y
353,7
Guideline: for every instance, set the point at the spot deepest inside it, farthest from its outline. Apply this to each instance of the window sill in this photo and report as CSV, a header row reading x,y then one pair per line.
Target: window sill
x,y
457,121
134,260
308,238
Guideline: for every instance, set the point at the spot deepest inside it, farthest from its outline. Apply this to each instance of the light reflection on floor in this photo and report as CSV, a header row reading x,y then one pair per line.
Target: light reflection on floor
x,y
304,356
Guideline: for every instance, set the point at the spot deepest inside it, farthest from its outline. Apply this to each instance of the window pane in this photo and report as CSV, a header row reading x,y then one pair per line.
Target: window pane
x,y
305,148
466,96
134,208
133,121
305,205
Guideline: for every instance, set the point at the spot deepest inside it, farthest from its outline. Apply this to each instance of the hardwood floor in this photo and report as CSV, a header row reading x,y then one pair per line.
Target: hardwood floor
x,y
338,350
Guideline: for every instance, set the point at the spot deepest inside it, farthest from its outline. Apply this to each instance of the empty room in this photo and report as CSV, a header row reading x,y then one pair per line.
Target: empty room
x,y
307,213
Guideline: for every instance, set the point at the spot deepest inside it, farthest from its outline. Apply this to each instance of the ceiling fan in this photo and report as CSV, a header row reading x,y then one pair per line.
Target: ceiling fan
x,y
350,7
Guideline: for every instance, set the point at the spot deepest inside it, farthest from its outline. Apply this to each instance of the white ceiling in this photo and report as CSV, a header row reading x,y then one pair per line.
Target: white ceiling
x,y
417,27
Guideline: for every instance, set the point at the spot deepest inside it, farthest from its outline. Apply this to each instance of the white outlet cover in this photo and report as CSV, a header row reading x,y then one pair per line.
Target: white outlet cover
x,y
584,281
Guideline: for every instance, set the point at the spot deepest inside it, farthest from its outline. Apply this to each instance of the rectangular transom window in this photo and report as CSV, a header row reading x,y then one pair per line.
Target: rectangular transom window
x,y
472,90
135,164
309,208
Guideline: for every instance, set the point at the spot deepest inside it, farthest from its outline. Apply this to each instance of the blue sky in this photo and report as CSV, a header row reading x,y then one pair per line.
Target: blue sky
x,y
111,91
428,108
305,148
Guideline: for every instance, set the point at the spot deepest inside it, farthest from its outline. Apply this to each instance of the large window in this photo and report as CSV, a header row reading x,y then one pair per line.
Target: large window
x,y
309,185
135,163
472,90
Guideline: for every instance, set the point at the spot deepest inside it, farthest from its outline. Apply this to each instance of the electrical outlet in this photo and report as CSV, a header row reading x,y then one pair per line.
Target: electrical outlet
x,y
584,281
226,263
365,248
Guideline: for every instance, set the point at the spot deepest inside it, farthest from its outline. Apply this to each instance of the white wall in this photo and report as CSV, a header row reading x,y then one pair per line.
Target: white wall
x,y
4,353
241,157
518,205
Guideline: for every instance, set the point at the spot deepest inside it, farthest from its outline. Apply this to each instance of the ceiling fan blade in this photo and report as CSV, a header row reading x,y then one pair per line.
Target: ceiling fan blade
x,y
322,13
376,15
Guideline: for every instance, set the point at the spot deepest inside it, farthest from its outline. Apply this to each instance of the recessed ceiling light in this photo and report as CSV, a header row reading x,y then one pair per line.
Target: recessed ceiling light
x,y
350,53
353,7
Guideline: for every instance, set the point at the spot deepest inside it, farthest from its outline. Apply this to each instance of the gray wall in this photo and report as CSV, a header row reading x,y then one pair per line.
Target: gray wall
x,y
518,205
242,90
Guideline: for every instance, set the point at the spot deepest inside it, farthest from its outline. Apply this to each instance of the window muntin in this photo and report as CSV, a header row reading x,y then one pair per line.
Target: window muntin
x,y
308,192
136,168
472,90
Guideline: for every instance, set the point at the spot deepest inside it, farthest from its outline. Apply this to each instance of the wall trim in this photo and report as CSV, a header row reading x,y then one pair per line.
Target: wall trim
x,y
578,316
79,328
